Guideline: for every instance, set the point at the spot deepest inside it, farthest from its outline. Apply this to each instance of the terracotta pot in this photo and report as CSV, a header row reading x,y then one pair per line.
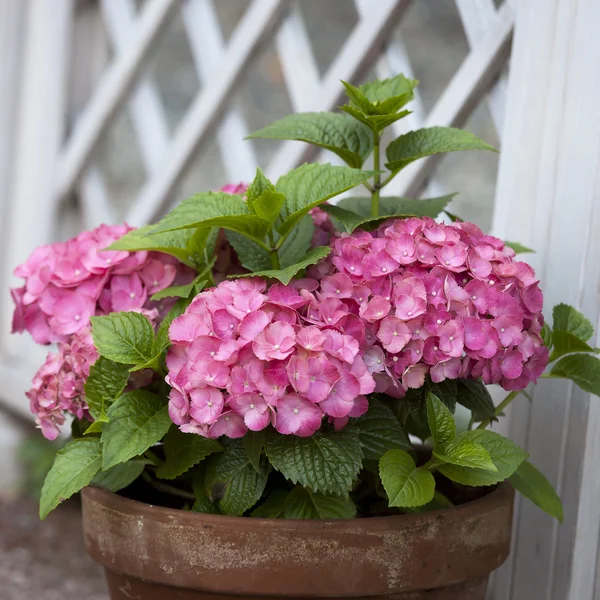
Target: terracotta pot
x,y
155,553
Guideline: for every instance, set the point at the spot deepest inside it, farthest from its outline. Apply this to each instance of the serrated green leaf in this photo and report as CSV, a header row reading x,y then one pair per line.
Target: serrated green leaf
x,y
519,248
202,503
310,185
546,335
380,431
125,337
427,142
74,467
137,420
350,140
357,98
581,369
252,256
465,453
374,122
105,383
254,442
324,462
474,395
119,476
259,185
404,483
534,486
215,209
567,343
505,455
268,205
297,243
183,451
302,503
567,318
287,274
183,291
380,90
441,421
162,342
272,507
233,482
390,207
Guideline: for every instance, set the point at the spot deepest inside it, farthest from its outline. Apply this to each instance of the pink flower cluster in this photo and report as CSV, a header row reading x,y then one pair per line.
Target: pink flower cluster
x,y
67,283
429,299
244,357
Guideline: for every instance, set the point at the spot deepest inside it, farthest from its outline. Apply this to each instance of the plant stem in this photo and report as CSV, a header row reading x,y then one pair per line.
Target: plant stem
x,y
377,176
153,458
273,252
165,488
499,409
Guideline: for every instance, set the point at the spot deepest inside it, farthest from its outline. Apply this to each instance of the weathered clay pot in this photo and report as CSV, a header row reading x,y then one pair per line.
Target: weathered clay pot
x,y
155,553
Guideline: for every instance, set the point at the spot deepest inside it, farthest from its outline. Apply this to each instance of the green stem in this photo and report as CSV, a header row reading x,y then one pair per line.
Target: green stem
x,y
377,176
432,464
153,458
499,409
165,488
388,179
273,251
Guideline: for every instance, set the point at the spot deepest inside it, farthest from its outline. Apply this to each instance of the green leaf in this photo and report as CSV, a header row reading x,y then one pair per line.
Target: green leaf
x,y
350,140
567,318
441,421
567,343
324,462
203,503
394,207
137,420
519,248
74,467
215,209
119,476
427,142
184,291
475,396
260,185
233,482
183,451
287,274
404,483
465,454
380,431
302,503
105,383
310,185
581,369
125,337
268,205
534,486
254,442
374,122
505,455
379,91
162,335
253,256
272,507
546,335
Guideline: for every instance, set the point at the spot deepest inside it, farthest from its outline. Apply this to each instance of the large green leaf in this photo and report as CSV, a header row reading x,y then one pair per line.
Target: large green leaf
x,y
259,185
310,185
137,420
505,455
349,139
272,507
426,142
404,483
74,467
119,476
380,431
534,486
287,274
254,443
251,255
465,453
302,503
203,502
441,421
215,209
567,343
475,396
567,318
125,337
105,383
581,369
233,482
183,451
162,335
268,205
324,462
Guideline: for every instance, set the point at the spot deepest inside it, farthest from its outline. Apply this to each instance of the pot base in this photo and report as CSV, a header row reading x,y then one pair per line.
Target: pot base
x,y
124,587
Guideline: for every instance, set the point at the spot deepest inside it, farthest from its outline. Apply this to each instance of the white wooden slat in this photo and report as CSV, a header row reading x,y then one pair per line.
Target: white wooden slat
x,y
298,63
94,199
110,94
256,24
478,17
207,46
145,106
354,58
461,96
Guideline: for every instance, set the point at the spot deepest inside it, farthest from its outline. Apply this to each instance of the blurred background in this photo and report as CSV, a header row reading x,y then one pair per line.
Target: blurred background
x,y
60,64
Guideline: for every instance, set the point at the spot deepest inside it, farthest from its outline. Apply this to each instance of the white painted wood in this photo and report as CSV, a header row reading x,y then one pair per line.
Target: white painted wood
x,y
257,23
207,46
110,94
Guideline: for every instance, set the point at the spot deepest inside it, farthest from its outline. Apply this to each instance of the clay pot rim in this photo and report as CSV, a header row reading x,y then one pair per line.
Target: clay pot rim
x,y
501,494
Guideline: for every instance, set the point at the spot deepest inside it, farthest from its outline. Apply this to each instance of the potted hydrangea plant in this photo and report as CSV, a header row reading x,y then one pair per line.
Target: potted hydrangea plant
x,y
263,385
